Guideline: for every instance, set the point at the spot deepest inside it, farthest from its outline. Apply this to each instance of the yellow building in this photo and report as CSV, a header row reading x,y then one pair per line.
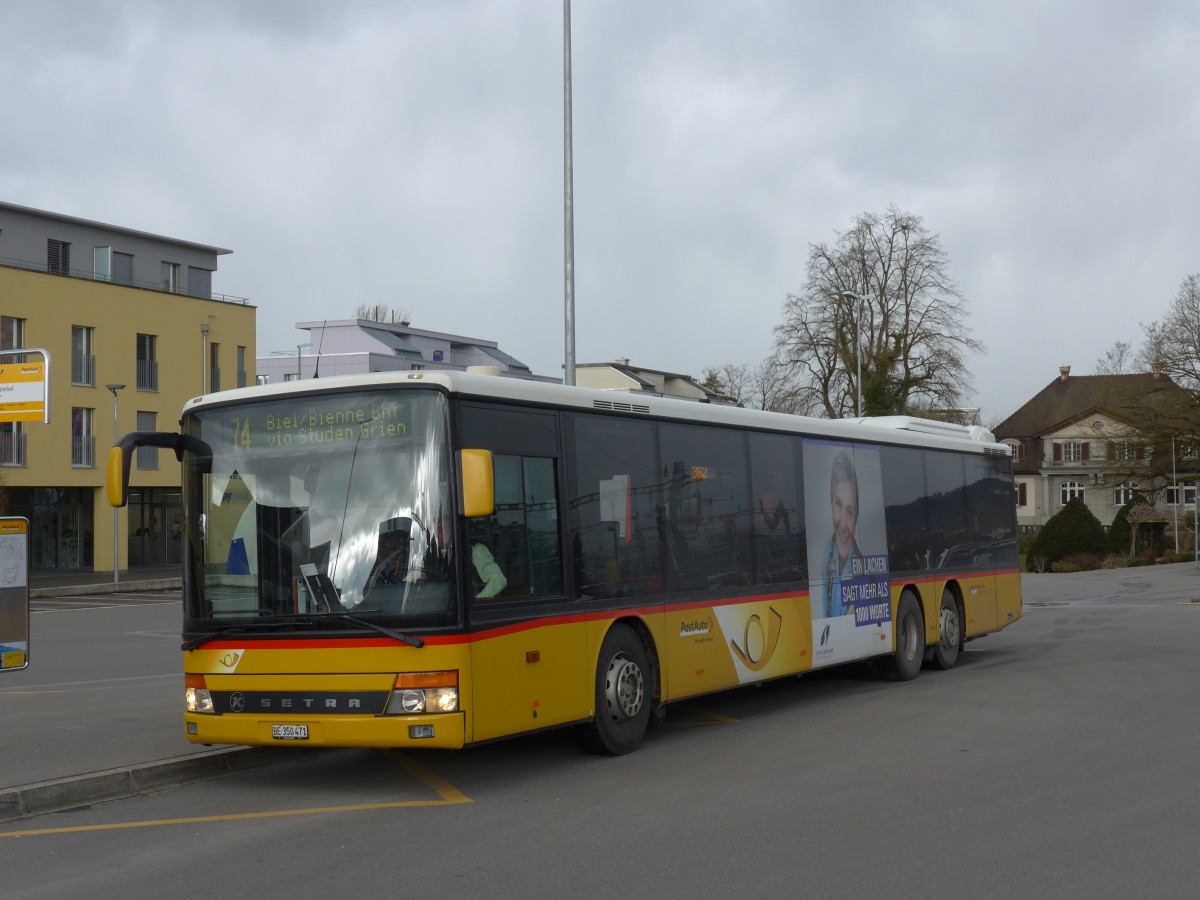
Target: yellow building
x,y
132,331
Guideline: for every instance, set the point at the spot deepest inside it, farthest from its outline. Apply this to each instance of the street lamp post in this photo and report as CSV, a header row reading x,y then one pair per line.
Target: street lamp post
x,y
113,388
857,298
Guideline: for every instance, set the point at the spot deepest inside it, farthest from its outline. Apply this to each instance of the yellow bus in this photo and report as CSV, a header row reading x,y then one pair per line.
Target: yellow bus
x,y
439,559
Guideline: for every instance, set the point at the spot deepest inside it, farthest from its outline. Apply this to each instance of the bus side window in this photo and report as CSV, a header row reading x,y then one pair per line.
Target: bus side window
x,y
777,485
521,536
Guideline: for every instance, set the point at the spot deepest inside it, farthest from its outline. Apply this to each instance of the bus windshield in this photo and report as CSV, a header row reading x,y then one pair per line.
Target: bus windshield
x,y
334,504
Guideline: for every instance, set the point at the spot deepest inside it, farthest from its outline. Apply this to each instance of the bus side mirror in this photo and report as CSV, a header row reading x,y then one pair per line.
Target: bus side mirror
x,y
478,486
119,458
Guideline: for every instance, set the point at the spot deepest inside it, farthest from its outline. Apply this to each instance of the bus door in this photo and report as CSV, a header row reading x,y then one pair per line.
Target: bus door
x,y
528,660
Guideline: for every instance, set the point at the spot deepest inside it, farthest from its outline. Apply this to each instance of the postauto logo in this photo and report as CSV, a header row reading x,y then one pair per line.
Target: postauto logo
x,y
825,635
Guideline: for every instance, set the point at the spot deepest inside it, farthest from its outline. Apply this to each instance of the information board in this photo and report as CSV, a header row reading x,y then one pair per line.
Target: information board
x,y
14,593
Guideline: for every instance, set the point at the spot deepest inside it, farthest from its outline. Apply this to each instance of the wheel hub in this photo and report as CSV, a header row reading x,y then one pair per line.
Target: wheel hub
x,y
949,628
624,689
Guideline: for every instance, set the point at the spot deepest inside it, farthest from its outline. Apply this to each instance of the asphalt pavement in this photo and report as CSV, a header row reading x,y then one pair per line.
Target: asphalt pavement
x,y
57,750
124,750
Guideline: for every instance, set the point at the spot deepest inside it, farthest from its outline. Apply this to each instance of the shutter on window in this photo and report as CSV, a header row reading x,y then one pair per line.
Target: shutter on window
x,y
58,257
122,268
1111,450
1087,451
199,282
1058,452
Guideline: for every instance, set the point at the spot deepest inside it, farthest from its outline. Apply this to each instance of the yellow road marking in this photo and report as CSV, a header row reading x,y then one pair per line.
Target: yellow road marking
x,y
448,794
711,717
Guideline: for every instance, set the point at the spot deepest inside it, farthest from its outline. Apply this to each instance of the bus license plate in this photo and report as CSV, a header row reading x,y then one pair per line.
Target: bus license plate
x,y
289,732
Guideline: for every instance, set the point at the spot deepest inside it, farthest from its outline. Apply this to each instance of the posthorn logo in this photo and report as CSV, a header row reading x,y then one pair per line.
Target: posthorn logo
x,y
824,635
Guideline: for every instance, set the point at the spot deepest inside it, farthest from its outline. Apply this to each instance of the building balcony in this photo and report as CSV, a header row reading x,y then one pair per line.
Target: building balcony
x,y
83,370
12,448
83,451
89,275
147,375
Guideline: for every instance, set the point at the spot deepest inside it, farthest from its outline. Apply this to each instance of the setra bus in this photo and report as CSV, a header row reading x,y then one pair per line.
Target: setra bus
x,y
440,559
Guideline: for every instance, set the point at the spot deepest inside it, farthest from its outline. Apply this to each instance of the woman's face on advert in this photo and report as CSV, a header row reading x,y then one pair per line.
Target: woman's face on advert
x,y
845,516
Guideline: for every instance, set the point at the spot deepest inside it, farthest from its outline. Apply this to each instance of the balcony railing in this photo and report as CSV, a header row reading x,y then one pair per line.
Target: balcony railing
x,y
147,375
83,451
89,275
83,370
12,448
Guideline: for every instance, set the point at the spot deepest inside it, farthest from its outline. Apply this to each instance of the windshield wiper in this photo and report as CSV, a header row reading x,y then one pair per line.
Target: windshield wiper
x,y
199,640
352,619
306,619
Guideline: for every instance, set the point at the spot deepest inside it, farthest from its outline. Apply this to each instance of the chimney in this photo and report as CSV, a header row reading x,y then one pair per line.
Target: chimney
x,y
622,360
1063,372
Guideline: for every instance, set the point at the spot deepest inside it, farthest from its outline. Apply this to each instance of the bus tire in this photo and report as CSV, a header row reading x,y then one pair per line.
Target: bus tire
x,y
905,663
624,695
950,631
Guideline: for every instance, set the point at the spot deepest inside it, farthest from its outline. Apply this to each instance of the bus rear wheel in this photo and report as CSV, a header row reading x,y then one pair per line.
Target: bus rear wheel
x,y
945,651
905,663
624,696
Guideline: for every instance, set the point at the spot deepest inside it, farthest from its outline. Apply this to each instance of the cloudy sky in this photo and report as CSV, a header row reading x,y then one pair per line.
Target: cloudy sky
x,y
410,153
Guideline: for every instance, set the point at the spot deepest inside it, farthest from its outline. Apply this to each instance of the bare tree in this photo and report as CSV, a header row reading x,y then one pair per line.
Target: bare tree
x,y
909,323
1119,359
1172,346
765,386
381,312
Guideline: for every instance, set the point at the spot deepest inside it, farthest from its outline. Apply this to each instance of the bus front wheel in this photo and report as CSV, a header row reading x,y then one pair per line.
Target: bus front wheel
x,y
905,663
624,695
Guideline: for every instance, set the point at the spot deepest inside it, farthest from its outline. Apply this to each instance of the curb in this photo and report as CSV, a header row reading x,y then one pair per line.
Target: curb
x,y
158,584
129,781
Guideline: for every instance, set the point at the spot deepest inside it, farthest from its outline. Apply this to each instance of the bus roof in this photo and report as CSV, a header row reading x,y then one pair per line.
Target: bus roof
x,y
888,429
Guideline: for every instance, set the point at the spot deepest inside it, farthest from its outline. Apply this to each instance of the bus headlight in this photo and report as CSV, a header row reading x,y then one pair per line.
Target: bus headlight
x,y
424,692
196,698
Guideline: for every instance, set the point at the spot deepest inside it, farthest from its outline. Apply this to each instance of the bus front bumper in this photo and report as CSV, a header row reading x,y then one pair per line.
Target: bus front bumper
x,y
445,730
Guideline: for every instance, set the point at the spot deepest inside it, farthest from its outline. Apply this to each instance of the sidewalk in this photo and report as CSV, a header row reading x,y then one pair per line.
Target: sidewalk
x,y
142,578
139,741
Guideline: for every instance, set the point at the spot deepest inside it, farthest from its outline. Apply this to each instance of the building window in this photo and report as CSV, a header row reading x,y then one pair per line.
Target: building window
x,y
1124,493
12,337
1183,493
1071,490
1187,449
58,257
122,268
169,279
147,362
241,367
1022,494
83,357
102,263
147,457
199,282
1071,451
214,376
12,444
1126,451
83,437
